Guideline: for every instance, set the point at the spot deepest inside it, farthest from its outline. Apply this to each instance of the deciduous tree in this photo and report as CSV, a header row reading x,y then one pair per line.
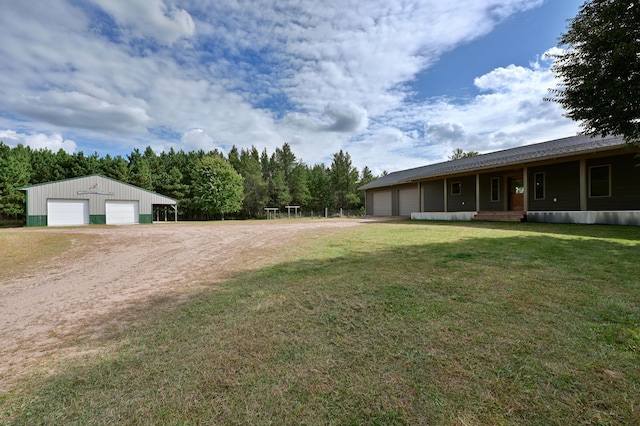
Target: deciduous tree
x,y
217,186
600,69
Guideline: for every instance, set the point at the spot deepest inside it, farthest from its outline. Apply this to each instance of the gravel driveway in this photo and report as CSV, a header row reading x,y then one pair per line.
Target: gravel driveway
x,y
54,310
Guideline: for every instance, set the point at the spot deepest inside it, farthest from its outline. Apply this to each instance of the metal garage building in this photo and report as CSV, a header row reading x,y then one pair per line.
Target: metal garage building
x,y
91,199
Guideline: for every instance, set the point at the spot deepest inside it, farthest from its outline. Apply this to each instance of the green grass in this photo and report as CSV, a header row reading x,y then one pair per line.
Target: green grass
x,y
387,324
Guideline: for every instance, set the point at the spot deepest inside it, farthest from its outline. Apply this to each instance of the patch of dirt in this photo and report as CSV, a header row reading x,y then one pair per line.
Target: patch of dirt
x,y
48,314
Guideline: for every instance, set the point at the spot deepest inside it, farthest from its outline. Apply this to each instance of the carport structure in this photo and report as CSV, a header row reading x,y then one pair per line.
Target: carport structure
x,y
93,199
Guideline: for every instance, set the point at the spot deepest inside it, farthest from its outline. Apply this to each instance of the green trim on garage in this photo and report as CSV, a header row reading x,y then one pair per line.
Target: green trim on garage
x,y
97,219
146,218
37,220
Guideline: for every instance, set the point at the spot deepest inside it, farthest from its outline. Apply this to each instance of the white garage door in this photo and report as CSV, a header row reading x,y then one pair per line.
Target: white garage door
x,y
409,201
122,212
382,203
67,212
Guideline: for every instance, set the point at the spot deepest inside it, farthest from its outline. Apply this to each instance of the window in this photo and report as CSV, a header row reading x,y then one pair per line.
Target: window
x,y
456,188
538,181
495,189
600,181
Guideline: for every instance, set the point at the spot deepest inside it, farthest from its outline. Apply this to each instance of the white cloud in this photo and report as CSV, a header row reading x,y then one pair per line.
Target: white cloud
x,y
345,117
446,132
150,18
510,111
54,142
83,111
322,76
198,139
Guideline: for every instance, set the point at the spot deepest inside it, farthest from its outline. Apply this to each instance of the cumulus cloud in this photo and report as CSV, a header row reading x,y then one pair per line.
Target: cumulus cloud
x,y
345,117
446,132
79,110
322,76
198,139
54,142
150,18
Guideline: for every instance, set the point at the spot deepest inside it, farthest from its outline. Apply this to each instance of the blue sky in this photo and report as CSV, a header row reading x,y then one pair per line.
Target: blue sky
x,y
397,84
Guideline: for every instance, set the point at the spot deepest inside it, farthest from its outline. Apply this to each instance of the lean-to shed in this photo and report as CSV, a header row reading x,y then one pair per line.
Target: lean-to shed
x,y
93,199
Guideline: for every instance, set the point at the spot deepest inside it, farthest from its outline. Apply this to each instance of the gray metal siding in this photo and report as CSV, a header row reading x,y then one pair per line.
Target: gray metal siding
x,y
433,196
625,181
408,200
38,195
562,187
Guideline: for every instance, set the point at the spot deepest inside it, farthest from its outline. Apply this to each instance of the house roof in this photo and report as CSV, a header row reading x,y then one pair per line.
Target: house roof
x,y
514,156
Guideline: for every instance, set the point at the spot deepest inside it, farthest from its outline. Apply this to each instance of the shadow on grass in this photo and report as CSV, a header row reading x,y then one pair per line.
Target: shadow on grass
x,y
631,233
527,329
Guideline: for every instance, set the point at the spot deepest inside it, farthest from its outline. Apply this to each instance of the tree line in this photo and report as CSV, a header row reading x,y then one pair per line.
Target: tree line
x,y
207,185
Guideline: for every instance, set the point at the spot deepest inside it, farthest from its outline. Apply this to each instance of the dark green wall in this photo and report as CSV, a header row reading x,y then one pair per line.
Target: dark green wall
x,y
466,201
146,218
97,219
562,187
485,193
625,183
37,220
433,193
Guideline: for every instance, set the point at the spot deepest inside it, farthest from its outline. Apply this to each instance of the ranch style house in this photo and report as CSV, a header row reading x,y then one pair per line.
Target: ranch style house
x,y
578,179
94,199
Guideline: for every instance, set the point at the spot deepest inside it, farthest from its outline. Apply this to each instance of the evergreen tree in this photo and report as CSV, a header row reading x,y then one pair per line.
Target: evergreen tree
x,y
343,180
15,172
115,168
319,188
366,176
140,171
255,189
45,167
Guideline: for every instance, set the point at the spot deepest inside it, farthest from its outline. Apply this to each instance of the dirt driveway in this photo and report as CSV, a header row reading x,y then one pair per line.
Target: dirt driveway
x,y
54,310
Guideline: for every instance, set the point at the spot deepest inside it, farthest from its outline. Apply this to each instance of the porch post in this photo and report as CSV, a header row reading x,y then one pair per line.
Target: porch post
x,y
477,192
446,199
525,182
583,184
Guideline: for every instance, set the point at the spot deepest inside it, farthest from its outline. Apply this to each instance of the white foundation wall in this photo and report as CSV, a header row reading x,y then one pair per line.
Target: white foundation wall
x,y
589,217
453,216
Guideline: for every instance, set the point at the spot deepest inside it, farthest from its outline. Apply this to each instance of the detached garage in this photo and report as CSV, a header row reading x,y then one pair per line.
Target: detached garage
x,y
91,199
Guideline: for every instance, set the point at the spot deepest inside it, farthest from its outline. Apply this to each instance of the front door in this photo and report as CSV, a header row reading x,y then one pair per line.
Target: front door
x,y
516,193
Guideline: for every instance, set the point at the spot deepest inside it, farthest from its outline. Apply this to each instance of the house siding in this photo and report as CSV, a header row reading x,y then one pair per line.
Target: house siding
x,y
562,187
625,181
433,195
466,200
485,192
566,165
368,202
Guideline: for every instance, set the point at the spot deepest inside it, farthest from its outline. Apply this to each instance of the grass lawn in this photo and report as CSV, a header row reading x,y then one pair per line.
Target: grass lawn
x,y
389,323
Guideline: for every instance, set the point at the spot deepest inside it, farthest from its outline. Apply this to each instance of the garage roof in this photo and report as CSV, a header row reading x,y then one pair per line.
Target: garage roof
x,y
515,156
155,197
